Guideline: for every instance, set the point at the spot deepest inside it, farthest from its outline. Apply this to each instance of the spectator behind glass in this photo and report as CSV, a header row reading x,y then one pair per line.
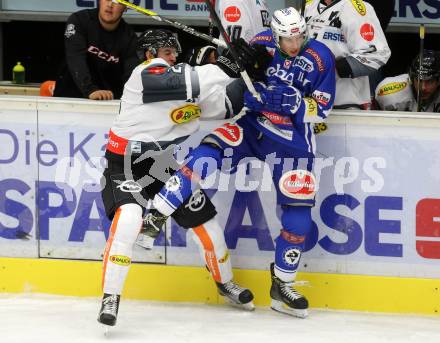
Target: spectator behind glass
x,y
243,18
352,31
399,93
100,53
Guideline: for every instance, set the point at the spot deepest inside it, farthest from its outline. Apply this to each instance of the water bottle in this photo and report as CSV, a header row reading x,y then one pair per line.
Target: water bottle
x,y
18,73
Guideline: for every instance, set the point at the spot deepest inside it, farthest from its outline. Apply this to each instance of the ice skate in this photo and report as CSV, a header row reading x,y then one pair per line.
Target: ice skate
x,y
236,295
109,310
285,299
151,227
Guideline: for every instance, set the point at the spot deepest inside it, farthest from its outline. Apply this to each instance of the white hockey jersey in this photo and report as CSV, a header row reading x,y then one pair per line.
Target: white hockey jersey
x,y
243,18
396,94
349,28
162,103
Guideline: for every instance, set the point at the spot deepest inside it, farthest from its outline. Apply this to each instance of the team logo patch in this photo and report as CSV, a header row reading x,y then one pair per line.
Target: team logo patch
x,y
311,107
291,256
322,97
232,14
367,32
197,201
231,134
304,64
298,184
129,186
317,58
277,119
287,63
359,6
185,114
70,31
156,70
120,260
173,184
262,39
392,87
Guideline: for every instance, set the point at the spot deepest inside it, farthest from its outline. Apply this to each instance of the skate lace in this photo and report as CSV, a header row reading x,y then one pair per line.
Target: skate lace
x,y
288,291
110,304
232,288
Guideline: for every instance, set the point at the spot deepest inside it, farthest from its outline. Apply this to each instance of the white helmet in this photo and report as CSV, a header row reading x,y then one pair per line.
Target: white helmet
x,y
287,23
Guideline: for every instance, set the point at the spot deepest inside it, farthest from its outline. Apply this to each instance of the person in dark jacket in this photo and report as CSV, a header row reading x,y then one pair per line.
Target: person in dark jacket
x,y
100,52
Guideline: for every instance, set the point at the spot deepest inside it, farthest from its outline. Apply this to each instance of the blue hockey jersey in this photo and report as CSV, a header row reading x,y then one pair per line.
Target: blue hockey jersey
x,y
313,73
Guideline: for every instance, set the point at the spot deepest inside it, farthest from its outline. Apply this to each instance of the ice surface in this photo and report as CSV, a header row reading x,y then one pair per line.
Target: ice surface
x,y
47,319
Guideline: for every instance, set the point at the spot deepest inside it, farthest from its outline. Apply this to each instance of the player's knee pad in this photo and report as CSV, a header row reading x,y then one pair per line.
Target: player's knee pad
x,y
126,224
196,210
203,161
210,238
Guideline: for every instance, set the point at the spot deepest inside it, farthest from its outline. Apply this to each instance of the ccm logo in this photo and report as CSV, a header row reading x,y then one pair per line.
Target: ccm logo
x,y
103,55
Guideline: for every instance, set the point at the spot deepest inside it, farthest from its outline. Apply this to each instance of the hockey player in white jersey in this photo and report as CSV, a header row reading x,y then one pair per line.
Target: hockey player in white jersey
x,y
161,106
399,93
351,29
243,18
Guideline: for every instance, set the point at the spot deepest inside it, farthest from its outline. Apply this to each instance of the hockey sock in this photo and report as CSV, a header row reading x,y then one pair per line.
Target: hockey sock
x,y
297,222
119,249
211,241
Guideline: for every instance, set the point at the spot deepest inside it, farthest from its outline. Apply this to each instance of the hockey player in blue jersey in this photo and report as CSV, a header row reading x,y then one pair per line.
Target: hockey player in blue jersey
x,y
298,91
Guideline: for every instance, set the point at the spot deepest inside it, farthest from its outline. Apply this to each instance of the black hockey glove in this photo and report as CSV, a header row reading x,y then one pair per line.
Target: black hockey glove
x,y
343,68
257,70
227,63
200,55
254,60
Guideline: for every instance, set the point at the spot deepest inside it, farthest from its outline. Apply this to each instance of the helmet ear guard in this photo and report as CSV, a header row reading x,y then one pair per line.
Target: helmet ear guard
x,y
287,22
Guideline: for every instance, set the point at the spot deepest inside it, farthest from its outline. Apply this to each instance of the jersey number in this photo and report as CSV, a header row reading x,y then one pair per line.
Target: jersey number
x,y
234,32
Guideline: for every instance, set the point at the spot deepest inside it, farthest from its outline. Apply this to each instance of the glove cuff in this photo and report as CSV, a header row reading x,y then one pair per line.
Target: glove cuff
x,y
343,68
228,66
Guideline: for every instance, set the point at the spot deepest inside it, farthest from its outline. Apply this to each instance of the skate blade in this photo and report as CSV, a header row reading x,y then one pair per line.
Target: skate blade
x,y
279,306
247,307
145,242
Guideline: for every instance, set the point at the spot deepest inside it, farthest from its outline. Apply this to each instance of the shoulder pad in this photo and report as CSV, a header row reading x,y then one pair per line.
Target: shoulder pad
x,y
263,38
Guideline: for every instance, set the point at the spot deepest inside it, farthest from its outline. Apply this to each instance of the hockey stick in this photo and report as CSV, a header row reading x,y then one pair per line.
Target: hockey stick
x,y
210,24
303,7
243,72
173,23
419,86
